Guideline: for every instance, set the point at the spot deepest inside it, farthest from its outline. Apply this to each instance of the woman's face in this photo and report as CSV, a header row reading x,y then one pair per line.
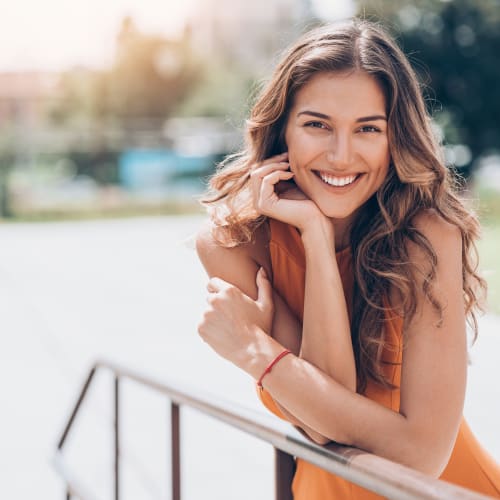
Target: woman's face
x,y
337,142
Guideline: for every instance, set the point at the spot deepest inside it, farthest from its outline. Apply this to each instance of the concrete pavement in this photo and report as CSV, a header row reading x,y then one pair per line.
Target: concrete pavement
x,y
133,290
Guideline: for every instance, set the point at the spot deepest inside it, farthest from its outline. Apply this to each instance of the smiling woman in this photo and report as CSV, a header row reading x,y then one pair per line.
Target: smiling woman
x,y
345,146
342,263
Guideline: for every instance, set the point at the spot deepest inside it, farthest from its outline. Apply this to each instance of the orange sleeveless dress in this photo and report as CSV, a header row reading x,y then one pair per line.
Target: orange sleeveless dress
x,y
470,465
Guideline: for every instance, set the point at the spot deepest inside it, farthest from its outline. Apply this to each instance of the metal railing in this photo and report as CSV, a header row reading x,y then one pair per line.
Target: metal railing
x,y
368,471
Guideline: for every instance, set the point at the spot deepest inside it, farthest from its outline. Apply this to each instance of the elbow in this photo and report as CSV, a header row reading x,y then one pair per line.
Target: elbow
x,y
433,468
313,436
320,440
432,461
427,455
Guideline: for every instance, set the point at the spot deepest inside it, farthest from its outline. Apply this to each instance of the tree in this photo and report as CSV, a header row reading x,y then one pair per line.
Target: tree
x,y
453,46
148,79
150,76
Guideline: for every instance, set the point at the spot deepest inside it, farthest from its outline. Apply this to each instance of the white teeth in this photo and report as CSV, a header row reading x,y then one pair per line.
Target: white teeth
x,y
337,181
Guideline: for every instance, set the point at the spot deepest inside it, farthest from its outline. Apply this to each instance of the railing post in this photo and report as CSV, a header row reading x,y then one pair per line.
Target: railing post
x,y
81,397
117,437
368,471
284,467
176,451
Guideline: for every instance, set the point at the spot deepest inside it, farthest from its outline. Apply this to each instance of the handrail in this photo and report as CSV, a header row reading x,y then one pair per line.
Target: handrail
x,y
364,469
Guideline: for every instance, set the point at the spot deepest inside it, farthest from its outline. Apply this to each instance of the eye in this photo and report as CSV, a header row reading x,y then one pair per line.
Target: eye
x,y
315,125
369,128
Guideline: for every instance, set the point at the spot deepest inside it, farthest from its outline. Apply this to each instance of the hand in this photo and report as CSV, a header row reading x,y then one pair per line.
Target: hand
x,y
273,196
233,320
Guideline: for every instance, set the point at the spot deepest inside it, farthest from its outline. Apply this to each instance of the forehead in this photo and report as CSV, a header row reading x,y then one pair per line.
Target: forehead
x,y
348,93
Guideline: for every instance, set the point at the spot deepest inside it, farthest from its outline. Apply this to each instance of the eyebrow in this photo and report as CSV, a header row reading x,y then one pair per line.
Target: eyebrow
x,y
358,120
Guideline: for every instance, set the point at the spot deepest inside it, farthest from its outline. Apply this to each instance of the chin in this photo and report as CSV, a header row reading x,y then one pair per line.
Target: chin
x,y
337,213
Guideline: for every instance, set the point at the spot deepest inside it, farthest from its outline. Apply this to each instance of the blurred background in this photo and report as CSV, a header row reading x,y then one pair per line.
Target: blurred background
x,y
112,116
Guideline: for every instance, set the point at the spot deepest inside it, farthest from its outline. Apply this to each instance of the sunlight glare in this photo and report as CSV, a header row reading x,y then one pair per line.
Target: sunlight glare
x,y
57,34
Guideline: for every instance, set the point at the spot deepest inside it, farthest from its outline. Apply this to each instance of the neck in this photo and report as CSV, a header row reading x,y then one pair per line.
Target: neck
x,y
342,231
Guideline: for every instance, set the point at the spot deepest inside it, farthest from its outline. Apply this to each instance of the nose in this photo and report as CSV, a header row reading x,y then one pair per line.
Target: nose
x,y
339,152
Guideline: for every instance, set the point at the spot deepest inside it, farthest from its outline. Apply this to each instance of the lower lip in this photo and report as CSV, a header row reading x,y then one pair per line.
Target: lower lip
x,y
340,189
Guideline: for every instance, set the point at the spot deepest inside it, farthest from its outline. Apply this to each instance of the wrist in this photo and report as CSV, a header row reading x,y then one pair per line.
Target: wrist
x,y
317,233
259,353
270,366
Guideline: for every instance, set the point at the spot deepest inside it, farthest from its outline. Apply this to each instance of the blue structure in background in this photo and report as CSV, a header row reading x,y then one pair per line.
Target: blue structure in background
x,y
152,169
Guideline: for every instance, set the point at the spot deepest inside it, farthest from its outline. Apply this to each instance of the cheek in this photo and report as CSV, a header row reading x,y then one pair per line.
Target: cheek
x,y
381,158
383,168
293,147
382,173
301,150
387,154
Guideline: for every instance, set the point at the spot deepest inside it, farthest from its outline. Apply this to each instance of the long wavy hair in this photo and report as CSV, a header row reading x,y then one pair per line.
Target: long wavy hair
x,y
417,180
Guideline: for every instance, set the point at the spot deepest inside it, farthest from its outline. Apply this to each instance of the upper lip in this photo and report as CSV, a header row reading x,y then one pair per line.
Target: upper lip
x,y
337,174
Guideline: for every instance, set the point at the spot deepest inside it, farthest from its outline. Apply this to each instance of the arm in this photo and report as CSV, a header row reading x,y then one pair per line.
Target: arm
x,y
422,434
326,335
239,267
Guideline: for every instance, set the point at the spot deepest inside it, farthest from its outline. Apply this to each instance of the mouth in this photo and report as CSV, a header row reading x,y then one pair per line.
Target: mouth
x,y
337,181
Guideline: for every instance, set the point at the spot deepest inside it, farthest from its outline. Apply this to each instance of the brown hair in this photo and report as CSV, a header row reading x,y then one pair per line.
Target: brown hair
x,y
417,180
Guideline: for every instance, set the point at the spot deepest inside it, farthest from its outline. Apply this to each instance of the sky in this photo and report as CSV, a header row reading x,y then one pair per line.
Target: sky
x,y
54,35
57,34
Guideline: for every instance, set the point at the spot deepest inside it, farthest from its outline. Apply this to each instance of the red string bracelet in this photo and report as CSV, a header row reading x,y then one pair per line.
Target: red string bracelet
x,y
270,366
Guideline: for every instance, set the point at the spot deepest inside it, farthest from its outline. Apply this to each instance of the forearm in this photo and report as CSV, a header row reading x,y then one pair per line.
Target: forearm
x,y
311,433
287,332
325,341
305,391
326,335
320,403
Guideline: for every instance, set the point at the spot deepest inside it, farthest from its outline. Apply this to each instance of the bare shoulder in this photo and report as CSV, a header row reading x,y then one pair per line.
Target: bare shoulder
x,y
444,237
445,269
445,241
237,265
211,252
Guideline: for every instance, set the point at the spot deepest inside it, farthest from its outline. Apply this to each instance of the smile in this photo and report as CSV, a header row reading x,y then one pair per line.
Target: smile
x,y
337,181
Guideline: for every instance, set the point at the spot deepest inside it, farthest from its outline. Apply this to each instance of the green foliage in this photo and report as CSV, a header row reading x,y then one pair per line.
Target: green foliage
x,y
150,76
488,254
489,206
454,46
222,91
127,210
148,79
101,165
81,98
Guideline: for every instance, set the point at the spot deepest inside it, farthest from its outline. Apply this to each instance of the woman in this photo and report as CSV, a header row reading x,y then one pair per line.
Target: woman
x,y
341,263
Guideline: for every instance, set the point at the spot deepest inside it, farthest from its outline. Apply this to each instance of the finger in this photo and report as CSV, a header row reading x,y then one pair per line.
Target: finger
x,y
262,170
269,182
276,176
265,196
276,158
264,289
